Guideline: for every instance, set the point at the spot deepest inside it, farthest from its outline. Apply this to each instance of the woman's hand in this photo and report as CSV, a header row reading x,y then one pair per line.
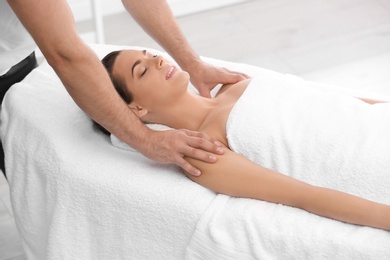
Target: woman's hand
x,y
205,77
173,145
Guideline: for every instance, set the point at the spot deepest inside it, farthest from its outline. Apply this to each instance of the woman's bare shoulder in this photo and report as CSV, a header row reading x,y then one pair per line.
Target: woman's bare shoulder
x,y
233,89
215,123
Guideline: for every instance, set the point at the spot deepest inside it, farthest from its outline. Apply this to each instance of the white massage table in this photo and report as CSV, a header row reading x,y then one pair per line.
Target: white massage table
x,y
77,196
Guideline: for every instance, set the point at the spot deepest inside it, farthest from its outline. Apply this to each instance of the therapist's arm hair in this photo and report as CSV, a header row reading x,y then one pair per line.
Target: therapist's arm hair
x,y
237,176
51,24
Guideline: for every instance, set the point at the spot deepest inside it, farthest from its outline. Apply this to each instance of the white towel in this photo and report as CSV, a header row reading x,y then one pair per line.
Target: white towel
x,y
122,145
326,139
281,122
246,229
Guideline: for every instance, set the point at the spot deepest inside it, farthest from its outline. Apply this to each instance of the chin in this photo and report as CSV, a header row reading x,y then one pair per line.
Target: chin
x,y
185,74
183,78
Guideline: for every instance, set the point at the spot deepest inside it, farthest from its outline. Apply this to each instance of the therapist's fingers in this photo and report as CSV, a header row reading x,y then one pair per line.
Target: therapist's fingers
x,y
173,145
186,166
200,147
211,76
203,141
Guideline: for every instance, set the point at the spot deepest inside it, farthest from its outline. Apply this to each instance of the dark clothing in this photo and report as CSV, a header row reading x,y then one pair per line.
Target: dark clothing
x,y
15,75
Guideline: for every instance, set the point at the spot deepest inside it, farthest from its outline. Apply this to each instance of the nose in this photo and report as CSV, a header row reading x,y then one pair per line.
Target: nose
x,y
158,60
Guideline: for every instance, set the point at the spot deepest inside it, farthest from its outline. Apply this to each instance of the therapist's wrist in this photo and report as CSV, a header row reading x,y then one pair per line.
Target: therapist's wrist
x,y
151,145
189,62
141,140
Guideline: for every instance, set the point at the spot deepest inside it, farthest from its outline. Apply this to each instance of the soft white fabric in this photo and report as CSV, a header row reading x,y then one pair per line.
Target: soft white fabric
x,y
326,139
119,144
76,196
15,42
247,229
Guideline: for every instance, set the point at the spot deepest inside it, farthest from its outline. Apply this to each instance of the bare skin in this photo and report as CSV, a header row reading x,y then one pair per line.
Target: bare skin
x,y
51,24
170,103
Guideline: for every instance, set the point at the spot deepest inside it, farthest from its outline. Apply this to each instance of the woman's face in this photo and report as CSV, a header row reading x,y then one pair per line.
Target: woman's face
x,y
153,81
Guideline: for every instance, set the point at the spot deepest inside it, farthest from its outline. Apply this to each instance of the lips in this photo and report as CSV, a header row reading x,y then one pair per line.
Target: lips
x,y
171,71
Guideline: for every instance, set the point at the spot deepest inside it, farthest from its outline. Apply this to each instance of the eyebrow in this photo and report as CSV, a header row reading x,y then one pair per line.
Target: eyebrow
x,y
136,63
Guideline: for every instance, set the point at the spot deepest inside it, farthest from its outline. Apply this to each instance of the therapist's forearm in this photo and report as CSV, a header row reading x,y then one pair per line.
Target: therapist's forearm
x,y
156,18
90,87
52,26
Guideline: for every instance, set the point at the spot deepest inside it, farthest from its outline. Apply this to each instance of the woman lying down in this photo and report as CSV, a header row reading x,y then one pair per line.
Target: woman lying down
x,y
284,143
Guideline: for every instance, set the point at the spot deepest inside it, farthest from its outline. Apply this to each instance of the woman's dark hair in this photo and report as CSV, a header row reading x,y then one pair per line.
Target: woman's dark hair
x,y
120,86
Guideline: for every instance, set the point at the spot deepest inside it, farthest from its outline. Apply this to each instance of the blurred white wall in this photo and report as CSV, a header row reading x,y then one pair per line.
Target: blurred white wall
x,y
82,8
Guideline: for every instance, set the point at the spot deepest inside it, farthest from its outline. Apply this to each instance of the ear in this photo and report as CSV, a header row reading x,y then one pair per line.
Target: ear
x,y
138,110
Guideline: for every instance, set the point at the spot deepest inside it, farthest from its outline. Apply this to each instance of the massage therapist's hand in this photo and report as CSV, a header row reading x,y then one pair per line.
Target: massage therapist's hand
x,y
173,145
205,77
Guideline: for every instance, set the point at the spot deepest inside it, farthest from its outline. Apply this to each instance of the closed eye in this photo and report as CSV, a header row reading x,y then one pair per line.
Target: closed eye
x,y
136,64
143,73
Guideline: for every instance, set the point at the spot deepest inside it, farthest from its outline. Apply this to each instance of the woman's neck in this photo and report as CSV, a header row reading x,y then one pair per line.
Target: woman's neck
x,y
188,112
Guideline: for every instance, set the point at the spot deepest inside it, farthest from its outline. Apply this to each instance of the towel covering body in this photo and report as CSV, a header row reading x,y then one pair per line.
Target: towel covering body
x,y
325,139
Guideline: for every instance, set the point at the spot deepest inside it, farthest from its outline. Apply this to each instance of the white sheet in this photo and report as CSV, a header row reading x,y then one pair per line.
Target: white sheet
x,y
75,196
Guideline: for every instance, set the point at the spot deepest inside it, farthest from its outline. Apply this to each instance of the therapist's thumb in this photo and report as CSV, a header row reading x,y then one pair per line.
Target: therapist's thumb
x,y
205,91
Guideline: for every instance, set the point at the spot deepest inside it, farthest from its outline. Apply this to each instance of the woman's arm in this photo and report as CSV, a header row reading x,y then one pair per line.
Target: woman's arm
x,y
237,176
